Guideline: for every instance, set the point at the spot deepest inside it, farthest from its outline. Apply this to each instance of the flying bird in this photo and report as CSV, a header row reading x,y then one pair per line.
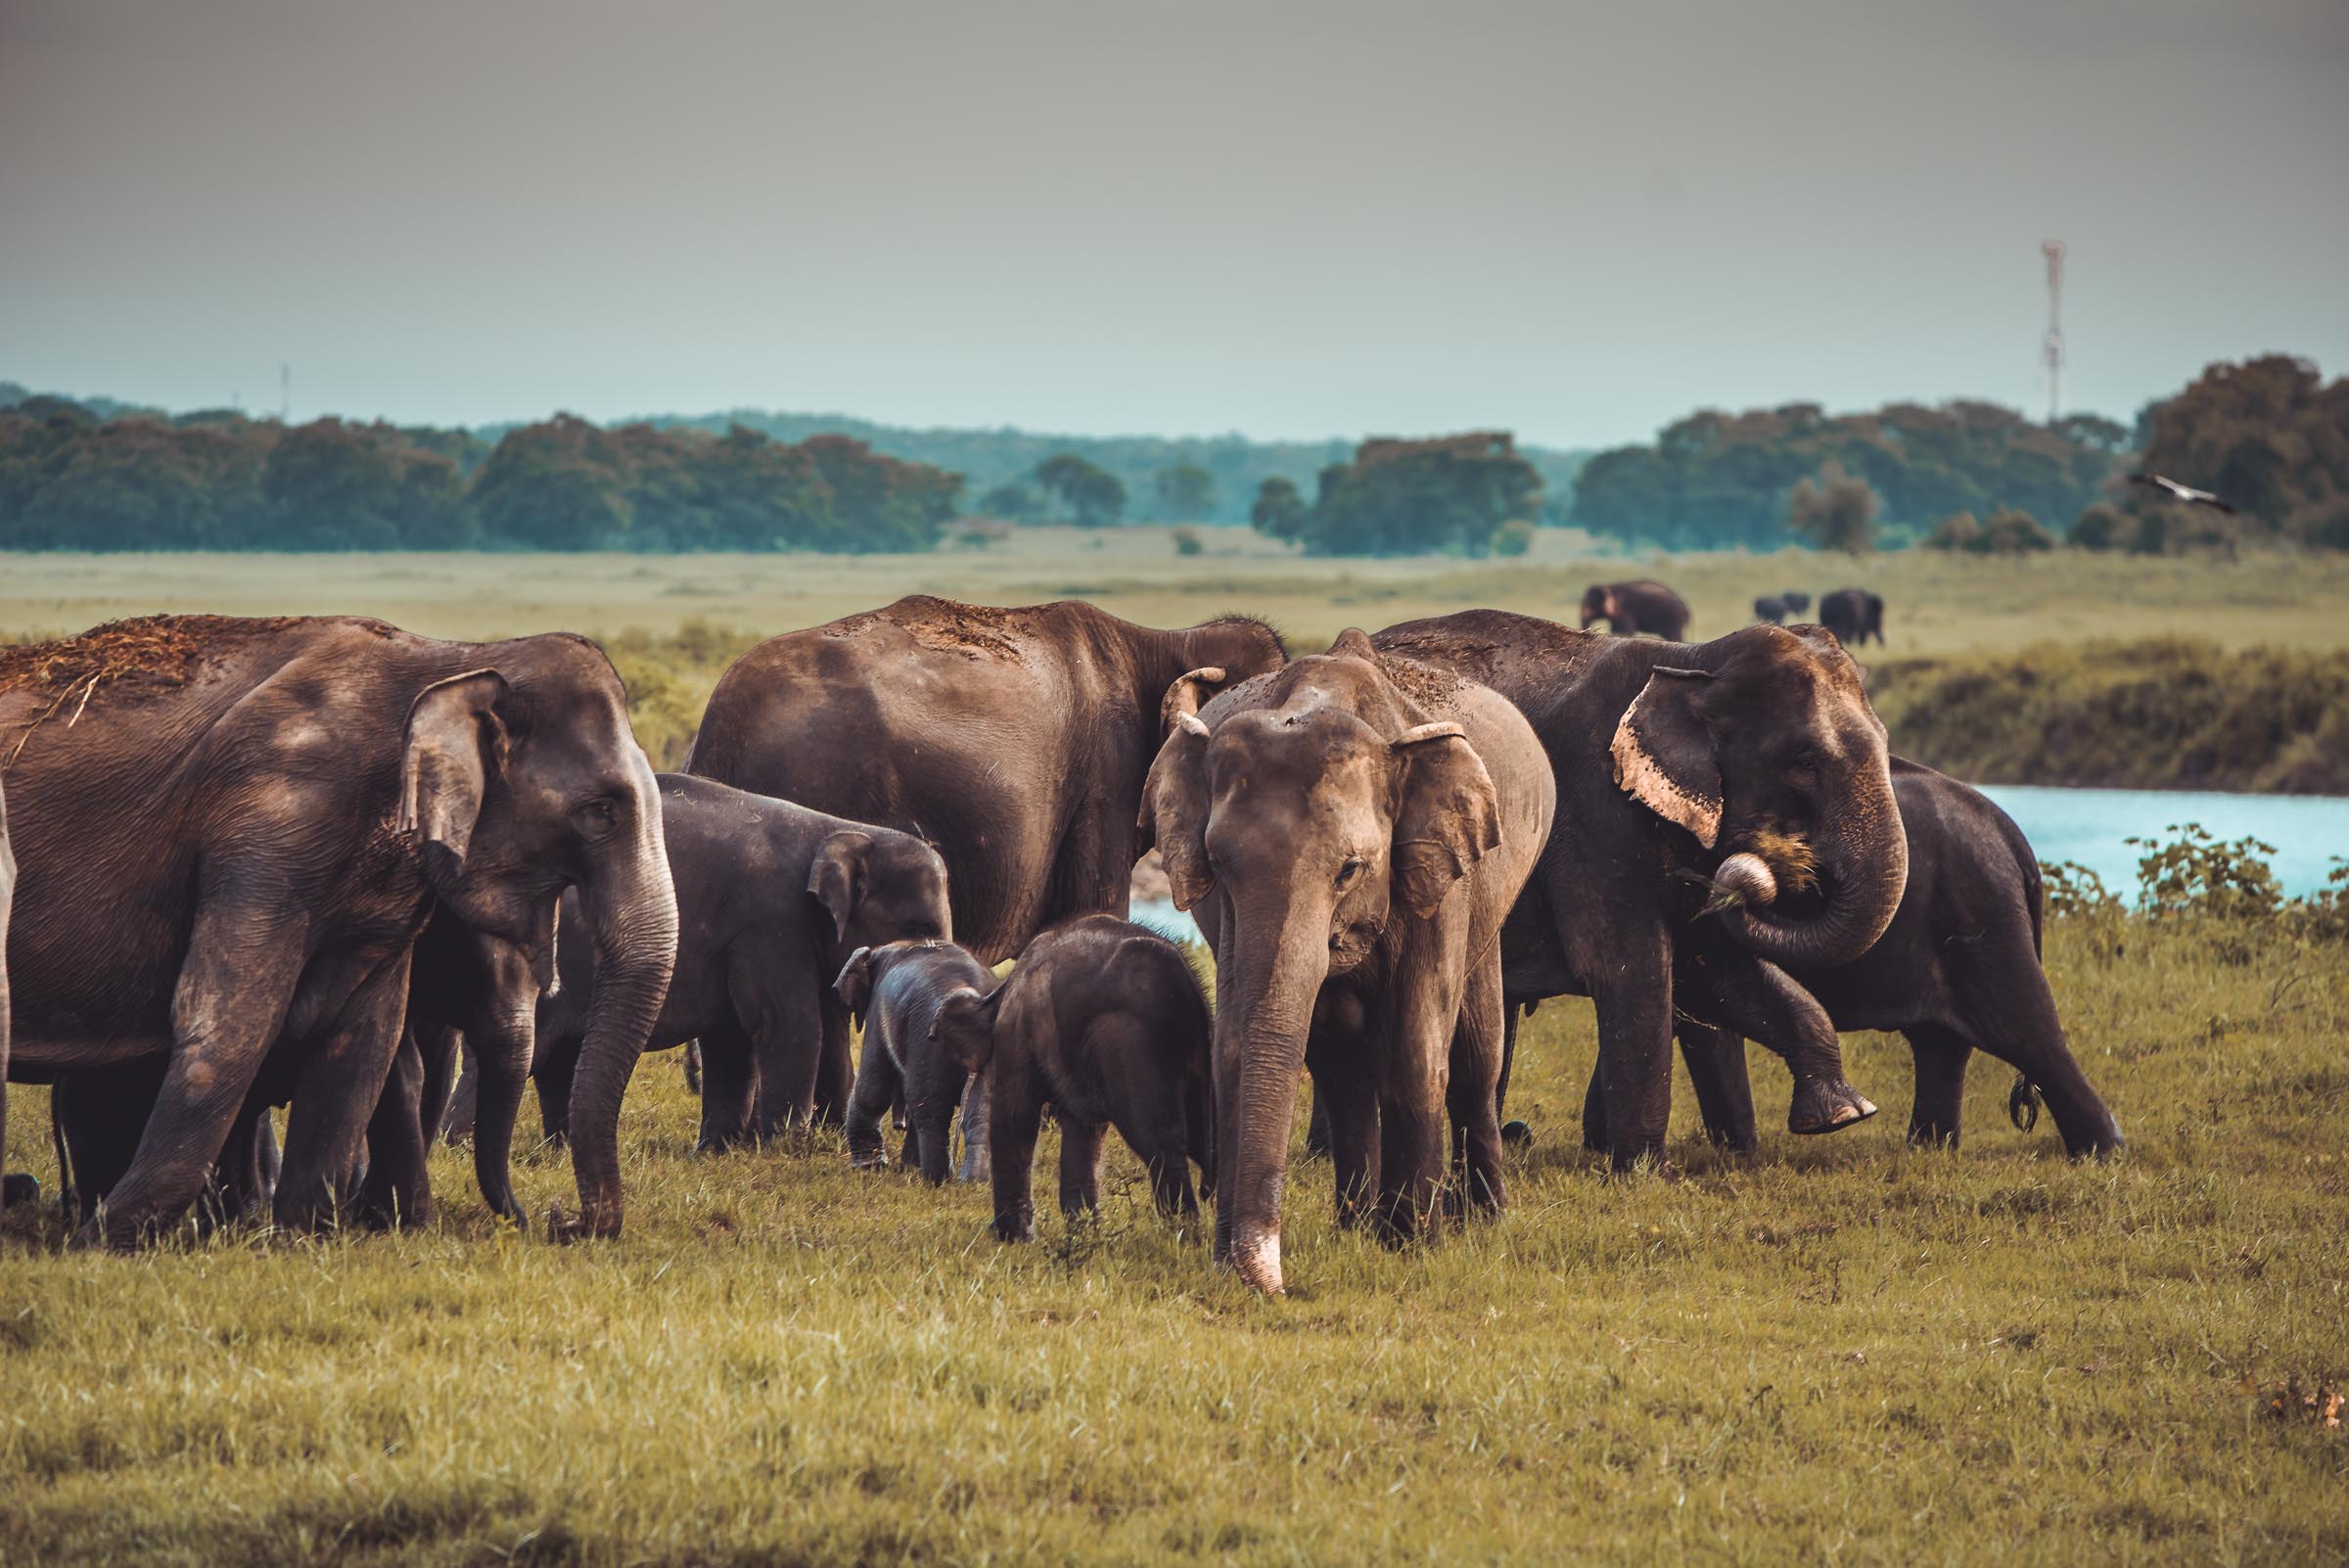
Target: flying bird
x,y
2180,492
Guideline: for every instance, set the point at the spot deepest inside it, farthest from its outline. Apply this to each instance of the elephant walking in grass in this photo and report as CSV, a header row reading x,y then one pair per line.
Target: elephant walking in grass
x,y
1351,832
1671,763
1632,608
1957,971
251,821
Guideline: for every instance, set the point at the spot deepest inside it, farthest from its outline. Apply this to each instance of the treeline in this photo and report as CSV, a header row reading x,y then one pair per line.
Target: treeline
x,y
1717,481
218,480
2154,714
1454,493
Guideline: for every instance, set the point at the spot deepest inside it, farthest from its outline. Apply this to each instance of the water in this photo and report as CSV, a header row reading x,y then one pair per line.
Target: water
x,y
2092,827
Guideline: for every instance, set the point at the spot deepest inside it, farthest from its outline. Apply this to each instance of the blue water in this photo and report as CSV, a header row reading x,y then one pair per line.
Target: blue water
x,y
2092,827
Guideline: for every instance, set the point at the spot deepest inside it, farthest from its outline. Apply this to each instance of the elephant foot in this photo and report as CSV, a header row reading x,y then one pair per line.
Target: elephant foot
x,y
1827,1105
591,1225
1014,1228
873,1160
1516,1134
19,1186
1737,1140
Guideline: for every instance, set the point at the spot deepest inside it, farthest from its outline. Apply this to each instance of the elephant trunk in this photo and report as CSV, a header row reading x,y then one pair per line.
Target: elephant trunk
x,y
630,911
1260,1028
1865,862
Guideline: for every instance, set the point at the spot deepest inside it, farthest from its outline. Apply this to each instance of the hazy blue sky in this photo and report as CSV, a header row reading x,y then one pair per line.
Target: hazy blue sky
x,y
1288,219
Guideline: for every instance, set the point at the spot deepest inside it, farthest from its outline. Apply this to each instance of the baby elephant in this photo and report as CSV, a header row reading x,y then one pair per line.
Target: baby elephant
x,y
896,989
1104,1020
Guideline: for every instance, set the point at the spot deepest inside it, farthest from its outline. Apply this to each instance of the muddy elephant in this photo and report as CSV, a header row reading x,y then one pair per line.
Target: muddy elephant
x,y
1103,1020
1776,608
897,991
251,819
771,899
1853,615
1014,740
1669,760
1349,832
1632,608
1957,971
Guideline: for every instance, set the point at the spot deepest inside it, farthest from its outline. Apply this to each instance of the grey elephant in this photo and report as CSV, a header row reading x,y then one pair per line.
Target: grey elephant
x,y
1632,608
1103,1020
1351,831
896,989
1778,607
1853,615
252,820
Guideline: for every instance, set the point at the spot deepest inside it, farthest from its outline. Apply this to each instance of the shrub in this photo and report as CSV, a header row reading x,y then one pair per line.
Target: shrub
x,y
1957,532
1189,541
1513,538
2013,532
2102,526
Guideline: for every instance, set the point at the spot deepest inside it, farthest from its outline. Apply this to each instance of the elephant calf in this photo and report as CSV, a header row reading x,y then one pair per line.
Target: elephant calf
x,y
1106,1021
897,991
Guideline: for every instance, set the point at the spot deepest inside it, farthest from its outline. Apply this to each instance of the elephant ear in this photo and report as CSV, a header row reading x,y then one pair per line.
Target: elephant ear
x,y
452,746
836,876
1173,813
965,1025
1449,815
855,983
1664,753
1191,688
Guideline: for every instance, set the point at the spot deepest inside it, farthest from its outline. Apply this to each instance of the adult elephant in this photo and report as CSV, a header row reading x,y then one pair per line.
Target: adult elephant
x,y
1632,608
771,901
1957,971
1015,740
1669,759
1853,615
1776,608
250,820
1349,832
15,1186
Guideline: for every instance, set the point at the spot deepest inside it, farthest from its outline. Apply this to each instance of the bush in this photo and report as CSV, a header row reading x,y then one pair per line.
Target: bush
x,y
2013,532
1959,532
1189,541
2102,526
1513,538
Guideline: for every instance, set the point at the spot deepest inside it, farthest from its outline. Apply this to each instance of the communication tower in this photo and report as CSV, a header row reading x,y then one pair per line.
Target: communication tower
x,y
2051,351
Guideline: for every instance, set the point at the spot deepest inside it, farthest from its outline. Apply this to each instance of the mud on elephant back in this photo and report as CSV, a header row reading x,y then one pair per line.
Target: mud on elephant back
x,y
251,819
1349,832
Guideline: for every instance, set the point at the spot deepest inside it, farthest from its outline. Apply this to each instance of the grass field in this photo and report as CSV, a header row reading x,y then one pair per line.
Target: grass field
x,y
1843,1350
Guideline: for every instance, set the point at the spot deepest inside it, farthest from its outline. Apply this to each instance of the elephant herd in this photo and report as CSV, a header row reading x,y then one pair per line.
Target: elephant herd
x,y
1853,615
297,861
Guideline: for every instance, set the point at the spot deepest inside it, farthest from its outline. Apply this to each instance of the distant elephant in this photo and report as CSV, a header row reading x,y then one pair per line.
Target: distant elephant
x,y
1016,741
248,822
896,989
1349,832
1853,615
1669,759
1958,970
1632,608
1105,1021
1776,608
771,899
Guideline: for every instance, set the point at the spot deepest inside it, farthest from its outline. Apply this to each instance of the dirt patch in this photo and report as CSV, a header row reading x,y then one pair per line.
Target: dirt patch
x,y
150,653
944,626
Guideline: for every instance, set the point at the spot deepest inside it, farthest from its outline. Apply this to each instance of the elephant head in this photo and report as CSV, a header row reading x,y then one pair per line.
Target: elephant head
x,y
880,887
1773,752
965,1025
1315,825
518,780
1598,604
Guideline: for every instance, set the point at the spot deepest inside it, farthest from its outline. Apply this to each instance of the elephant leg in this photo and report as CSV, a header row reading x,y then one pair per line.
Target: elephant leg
x,y
1199,1130
1941,1056
1724,1093
936,1087
729,1083
1475,1090
440,1047
397,1190
834,1069
1079,1168
1414,1074
226,1010
334,1101
1633,1077
1015,1116
777,1006
1343,1084
553,1078
690,1061
1595,1115
978,1099
1317,1130
2011,1015
1167,1150
99,1112
1758,999
879,1084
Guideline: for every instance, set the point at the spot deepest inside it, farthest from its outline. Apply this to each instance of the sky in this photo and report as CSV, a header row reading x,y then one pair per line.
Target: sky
x,y
1286,219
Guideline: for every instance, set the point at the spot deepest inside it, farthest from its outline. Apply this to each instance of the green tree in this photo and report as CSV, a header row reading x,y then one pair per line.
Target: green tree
x,y
1834,511
1093,497
1449,493
2008,531
2101,527
1961,530
1014,502
1279,512
1185,492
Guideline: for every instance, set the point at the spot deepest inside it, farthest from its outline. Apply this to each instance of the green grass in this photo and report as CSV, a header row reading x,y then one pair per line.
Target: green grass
x,y
1844,1349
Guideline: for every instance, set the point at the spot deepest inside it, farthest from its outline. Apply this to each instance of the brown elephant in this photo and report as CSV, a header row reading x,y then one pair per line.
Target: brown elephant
x,y
1349,832
1853,615
251,819
1632,608
1669,761
1015,740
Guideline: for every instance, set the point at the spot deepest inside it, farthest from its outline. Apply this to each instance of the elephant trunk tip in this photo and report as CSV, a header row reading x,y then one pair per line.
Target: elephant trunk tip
x,y
1256,1257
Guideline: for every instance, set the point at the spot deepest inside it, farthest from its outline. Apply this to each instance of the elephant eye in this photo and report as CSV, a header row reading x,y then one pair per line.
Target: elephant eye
x,y
1347,873
596,818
